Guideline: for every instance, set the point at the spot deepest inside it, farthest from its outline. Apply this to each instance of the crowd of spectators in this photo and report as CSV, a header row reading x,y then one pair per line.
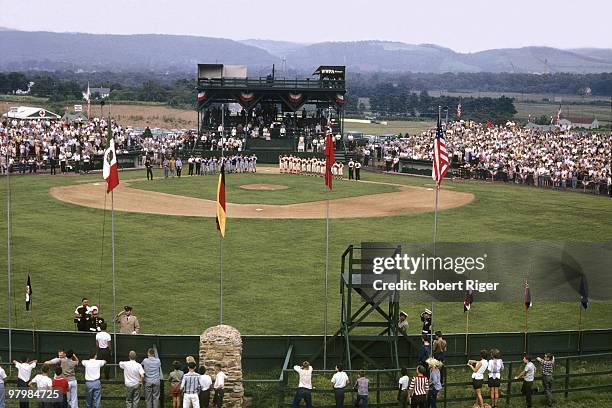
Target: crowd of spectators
x,y
510,153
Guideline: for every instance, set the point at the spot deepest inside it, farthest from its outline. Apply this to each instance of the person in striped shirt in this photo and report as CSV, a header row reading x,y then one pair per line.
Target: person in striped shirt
x,y
548,365
418,389
190,385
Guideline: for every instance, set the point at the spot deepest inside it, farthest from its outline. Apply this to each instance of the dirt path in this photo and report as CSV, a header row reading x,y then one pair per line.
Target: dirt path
x,y
408,200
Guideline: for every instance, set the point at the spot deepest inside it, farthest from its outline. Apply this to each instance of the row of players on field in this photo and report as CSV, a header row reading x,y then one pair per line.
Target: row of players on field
x,y
316,167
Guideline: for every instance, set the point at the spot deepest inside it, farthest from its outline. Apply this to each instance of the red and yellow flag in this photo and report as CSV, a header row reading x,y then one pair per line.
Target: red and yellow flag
x,y
221,214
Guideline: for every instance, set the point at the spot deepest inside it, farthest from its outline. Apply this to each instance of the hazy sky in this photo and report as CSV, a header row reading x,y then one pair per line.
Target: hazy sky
x,y
463,25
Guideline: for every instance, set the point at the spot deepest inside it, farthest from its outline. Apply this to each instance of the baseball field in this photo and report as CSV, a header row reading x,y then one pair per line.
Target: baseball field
x,y
167,247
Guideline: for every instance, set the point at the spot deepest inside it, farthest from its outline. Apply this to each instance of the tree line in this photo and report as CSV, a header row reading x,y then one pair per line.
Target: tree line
x,y
390,95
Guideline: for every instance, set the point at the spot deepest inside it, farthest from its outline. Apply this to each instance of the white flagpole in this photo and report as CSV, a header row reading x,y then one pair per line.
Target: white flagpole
x,y
8,251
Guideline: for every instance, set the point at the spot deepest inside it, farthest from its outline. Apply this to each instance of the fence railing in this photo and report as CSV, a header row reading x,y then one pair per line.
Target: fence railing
x,y
383,383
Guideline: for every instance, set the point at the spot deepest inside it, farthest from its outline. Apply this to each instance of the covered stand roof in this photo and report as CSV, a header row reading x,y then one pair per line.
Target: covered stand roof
x,y
31,113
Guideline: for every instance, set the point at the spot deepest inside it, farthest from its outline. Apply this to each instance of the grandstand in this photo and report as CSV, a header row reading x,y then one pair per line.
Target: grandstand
x,y
270,113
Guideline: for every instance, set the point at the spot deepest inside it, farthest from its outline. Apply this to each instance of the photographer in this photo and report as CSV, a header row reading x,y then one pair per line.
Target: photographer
x,y
127,321
82,314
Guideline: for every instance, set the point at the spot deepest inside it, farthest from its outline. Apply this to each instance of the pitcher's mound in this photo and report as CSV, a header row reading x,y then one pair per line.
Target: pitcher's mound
x,y
264,187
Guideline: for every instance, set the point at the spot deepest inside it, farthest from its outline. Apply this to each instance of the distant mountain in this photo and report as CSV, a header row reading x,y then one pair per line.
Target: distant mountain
x,y
277,48
44,50
22,50
394,56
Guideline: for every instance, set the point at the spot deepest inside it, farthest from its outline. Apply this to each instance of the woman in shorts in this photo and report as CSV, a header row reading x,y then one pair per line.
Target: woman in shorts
x,y
478,369
175,377
496,365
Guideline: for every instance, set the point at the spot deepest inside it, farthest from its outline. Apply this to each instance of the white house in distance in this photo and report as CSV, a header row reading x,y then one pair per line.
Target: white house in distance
x,y
579,122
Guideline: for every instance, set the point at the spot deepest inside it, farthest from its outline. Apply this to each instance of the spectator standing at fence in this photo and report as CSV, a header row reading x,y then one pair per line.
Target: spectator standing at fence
x,y
103,344
548,365
152,379
175,378
495,367
339,381
190,385
362,386
24,373
435,381
219,386
425,350
93,387
419,388
478,369
402,393
304,389
42,381
2,377
205,387
68,361
60,383
133,374
528,375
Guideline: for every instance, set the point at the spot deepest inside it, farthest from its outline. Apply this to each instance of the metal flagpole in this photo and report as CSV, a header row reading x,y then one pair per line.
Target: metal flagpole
x,y
326,257
113,256
467,330
8,250
221,236
435,234
114,279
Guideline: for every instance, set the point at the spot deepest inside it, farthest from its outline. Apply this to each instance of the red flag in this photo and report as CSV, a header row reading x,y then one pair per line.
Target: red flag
x,y
489,124
330,158
469,299
110,170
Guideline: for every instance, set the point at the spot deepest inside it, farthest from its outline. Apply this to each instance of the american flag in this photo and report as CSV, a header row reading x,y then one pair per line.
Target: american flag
x,y
440,159
559,115
459,111
330,158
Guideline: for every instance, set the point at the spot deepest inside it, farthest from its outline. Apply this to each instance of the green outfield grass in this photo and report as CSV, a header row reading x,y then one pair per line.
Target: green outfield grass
x,y
299,188
168,267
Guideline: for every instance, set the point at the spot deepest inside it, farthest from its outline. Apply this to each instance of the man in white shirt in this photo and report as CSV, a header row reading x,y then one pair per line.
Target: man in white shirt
x,y
42,381
205,387
304,389
103,343
93,388
528,375
219,385
133,375
24,372
2,377
339,381
403,384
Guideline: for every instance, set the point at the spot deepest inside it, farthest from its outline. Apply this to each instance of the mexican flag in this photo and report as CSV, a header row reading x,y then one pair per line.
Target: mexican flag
x,y
110,171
